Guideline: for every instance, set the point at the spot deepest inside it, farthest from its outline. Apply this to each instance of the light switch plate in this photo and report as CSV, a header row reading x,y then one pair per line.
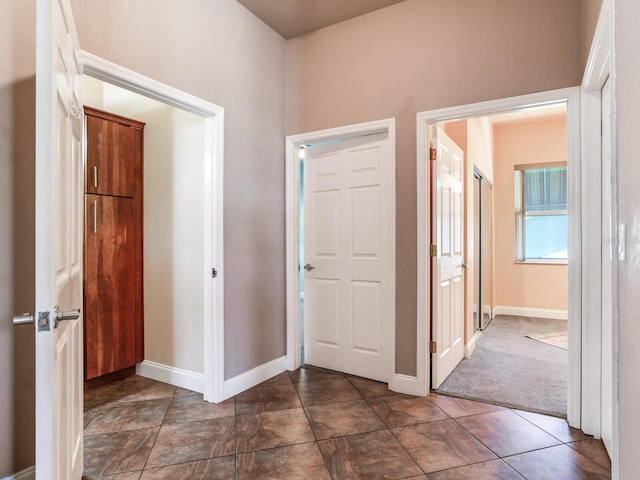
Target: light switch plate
x,y
622,242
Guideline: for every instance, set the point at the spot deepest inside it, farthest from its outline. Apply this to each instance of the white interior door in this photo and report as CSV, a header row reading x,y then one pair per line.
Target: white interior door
x,y
607,275
347,307
447,272
59,368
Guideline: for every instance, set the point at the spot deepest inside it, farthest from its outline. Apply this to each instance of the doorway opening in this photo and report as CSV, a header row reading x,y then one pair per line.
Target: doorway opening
x,y
569,99
341,249
183,154
515,244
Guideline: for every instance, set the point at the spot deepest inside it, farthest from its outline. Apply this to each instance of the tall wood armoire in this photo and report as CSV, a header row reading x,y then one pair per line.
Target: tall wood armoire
x,y
113,288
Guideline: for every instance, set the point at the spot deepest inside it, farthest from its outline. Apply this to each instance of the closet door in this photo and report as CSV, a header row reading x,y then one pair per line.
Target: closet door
x,y
110,284
113,150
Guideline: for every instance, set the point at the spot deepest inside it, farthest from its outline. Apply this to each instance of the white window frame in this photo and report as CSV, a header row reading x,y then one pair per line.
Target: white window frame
x,y
521,214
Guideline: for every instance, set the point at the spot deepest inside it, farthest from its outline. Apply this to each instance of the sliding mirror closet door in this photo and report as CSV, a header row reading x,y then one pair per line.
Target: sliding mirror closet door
x,y
476,251
486,251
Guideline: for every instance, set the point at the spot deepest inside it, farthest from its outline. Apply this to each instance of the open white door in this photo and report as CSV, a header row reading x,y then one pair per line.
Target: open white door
x,y
606,428
347,253
59,368
447,271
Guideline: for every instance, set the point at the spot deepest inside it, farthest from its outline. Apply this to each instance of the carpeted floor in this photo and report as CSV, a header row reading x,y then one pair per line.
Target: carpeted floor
x,y
510,369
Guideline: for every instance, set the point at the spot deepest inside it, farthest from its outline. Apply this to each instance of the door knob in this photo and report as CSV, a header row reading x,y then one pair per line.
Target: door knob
x,y
464,265
23,319
308,267
59,316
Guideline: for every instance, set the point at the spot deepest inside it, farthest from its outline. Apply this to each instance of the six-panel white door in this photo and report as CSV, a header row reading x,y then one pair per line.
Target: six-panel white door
x,y
447,271
347,250
59,168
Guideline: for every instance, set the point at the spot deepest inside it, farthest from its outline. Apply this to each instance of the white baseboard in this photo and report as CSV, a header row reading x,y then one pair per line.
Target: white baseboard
x,y
171,375
26,474
406,384
246,380
470,347
531,312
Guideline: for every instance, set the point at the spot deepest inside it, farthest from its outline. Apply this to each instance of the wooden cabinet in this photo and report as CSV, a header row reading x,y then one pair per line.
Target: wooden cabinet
x,y
113,294
110,288
112,153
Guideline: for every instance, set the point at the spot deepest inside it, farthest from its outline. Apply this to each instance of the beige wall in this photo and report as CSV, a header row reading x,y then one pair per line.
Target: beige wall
x,y
627,98
395,62
391,63
17,213
173,229
518,284
590,13
218,51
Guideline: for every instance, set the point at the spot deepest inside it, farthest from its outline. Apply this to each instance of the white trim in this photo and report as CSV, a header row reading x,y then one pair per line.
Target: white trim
x,y
171,375
600,66
530,312
572,98
470,347
406,384
292,145
26,474
213,308
253,377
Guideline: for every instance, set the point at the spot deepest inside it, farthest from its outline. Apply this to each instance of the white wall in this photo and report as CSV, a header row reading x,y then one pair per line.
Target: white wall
x,y
173,225
627,98
480,145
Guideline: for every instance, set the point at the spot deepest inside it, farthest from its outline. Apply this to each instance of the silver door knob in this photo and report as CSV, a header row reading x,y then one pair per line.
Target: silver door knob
x,y
23,319
464,265
308,267
59,316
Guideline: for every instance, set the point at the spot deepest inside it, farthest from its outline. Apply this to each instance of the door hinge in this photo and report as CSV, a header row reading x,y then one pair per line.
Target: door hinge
x,y
433,154
214,273
433,347
433,250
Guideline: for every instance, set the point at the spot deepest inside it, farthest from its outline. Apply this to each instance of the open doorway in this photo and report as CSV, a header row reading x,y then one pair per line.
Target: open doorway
x,y
182,222
516,253
427,121
341,246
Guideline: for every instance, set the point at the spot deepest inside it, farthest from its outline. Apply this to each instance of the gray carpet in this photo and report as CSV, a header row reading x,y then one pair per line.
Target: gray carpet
x,y
509,369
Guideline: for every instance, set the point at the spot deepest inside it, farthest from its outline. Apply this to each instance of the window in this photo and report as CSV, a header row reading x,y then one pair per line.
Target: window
x,y
542,220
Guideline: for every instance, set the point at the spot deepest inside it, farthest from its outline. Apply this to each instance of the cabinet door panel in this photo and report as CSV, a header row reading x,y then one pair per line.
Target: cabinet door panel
x,y
110,287
113,149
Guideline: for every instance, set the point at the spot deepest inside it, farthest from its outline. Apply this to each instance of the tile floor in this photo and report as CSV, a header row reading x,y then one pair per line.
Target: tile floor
x,y
311,424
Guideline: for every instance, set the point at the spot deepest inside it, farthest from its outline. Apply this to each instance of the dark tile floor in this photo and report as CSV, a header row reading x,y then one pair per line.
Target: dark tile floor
x,y
311,424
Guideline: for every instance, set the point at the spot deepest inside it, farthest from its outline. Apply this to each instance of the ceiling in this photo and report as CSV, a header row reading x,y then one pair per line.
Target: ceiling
x,y
292,18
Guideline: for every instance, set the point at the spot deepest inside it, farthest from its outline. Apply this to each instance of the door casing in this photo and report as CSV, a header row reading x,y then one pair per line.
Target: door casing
x,y
577,228
213,319
293,144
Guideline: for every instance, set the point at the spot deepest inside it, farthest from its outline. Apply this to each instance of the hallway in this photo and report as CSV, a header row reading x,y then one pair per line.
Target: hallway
x,y
312,424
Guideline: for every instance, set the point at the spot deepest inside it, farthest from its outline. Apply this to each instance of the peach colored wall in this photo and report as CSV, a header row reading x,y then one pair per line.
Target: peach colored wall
x,y
517,284
420,55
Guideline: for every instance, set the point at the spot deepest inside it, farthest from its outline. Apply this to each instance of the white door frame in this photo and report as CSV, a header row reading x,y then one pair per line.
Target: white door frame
x,y
579,232
293,144
213,308
599,68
